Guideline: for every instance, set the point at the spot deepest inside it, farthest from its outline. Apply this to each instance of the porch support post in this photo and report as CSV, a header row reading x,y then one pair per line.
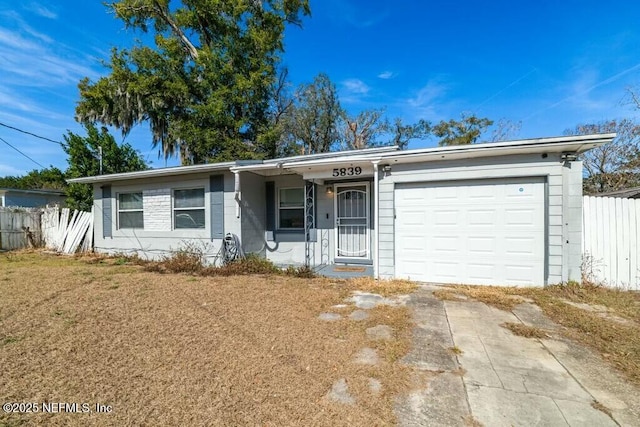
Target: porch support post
x,y
238,195
376,219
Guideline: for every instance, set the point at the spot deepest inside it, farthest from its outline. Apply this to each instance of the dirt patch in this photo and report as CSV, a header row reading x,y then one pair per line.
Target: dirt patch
x,y
166,349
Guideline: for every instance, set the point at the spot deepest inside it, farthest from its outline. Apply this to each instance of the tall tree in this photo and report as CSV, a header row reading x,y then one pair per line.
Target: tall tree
x,y
361,131
313,119
205,87
84,160
403,133
467,130
50,178
504,130
613,166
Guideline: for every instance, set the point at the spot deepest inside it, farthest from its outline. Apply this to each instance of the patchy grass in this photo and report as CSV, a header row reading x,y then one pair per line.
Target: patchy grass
x,y
526,331
382,287
617,342
399,318
166,349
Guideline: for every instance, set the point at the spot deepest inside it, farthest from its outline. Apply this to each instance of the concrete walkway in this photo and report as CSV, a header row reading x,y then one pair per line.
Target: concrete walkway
x,y
472,370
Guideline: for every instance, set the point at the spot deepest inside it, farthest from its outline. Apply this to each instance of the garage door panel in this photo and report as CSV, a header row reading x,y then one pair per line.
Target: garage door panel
x,y
414,218
481,217
481,272
481,245
445,270
446,244
524,246
485,232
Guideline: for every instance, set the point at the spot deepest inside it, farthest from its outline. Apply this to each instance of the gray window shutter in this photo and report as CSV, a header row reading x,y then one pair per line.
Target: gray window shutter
x,y
107,214
270,197
216,187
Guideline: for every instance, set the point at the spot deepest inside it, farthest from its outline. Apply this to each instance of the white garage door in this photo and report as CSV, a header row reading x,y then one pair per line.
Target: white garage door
x,y
486,232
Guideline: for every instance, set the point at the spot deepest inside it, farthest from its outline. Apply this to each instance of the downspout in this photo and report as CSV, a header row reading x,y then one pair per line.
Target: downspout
x,y
238,194
376,220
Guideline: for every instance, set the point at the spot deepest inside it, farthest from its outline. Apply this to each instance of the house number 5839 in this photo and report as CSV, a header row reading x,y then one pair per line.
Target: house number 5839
x,y
347,171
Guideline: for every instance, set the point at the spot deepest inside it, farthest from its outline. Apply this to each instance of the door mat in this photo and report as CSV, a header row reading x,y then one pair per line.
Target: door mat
x,y
350,269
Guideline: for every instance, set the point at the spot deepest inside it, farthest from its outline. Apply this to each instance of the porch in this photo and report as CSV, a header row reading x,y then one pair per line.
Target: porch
x,y
344,271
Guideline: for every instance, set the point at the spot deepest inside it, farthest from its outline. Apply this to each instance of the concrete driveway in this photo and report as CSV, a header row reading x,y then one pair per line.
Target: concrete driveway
x,y
470,370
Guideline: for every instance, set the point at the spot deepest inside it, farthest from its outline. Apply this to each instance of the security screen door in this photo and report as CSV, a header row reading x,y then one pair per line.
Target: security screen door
x,y
352,220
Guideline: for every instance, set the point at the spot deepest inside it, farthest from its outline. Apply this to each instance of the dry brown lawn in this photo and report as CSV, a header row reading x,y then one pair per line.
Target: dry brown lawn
x,y
168,349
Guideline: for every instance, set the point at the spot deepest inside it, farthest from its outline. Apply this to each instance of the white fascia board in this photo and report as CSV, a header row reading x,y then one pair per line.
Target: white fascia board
x,y
574,144
151,173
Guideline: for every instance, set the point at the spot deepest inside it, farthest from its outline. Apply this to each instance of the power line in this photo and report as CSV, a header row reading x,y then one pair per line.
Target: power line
x,y
39,164
32,134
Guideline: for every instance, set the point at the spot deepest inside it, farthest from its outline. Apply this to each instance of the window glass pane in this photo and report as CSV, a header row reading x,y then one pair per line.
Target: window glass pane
x,y
193,218
292,197
292,218
130,201
192,198
131,219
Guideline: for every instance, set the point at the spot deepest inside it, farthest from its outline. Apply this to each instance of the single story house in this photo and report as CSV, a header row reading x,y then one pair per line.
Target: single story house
x,y
506,213
30,198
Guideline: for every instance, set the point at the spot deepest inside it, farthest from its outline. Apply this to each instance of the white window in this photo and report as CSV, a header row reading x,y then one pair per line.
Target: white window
x,y
130,210
291,208
188,208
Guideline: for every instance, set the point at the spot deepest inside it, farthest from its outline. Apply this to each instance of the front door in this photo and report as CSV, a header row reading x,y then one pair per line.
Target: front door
x,y
352,220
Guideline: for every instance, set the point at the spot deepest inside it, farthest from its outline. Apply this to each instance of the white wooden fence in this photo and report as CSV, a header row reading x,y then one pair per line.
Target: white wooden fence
x,y
67,231
61,230
610,237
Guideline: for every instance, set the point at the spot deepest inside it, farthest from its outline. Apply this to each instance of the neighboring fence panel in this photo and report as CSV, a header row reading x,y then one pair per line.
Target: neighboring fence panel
x,y
610,240
19,228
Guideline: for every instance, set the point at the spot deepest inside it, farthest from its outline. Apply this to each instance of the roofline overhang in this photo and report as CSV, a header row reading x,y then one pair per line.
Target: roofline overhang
x,y
575,144
152,173
42,192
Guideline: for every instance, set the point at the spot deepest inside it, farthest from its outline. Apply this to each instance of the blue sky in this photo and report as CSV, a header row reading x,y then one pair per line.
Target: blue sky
x,y
548,64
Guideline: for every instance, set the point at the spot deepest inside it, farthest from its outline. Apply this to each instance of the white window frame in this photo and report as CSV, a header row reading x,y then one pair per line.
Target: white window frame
x,y
278,207
174,209
118,210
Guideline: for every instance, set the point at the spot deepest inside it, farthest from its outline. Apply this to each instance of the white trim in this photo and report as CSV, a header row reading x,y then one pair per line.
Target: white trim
x,y
118,210
193,208
376,220
336,192
290,208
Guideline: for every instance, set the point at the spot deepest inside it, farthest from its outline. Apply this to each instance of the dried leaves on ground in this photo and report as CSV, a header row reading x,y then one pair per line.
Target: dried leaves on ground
x,y
167,349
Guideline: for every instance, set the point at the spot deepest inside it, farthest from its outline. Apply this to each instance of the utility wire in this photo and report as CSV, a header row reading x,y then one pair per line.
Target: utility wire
x,y
39,164
32,134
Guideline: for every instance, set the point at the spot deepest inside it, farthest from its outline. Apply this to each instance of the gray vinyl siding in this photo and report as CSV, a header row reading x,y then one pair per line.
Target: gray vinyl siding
x,y
19,199
564,203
